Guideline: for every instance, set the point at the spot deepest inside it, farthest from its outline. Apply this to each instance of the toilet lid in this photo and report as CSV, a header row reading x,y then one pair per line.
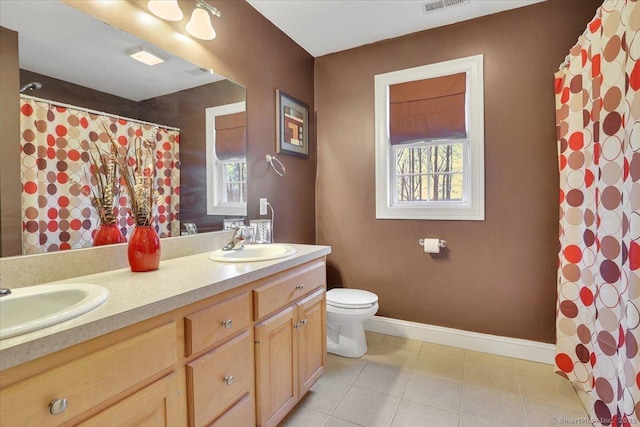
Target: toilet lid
x,y
351,298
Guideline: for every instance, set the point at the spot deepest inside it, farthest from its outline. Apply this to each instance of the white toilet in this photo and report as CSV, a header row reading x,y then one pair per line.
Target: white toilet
x,y
347,309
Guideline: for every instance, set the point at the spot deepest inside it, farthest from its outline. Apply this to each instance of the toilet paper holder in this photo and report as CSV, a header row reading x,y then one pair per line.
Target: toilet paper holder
x,y
441,243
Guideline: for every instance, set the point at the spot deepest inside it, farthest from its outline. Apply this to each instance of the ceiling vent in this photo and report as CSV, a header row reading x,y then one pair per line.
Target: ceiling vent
x,y
197,71
432,6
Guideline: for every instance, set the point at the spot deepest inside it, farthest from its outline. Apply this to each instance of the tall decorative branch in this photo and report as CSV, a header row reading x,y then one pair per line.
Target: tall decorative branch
x,y
137,168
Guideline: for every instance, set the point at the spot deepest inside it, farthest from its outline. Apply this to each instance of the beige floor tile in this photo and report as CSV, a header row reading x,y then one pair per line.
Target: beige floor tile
x,y
399,342
445,351
539,381
373,341
383,378
337,422
303,417
492,405
490,371
411,414
394,356
489,359
324,396
542,414
433,391
367,408
468,421
373,338
440,366
342,369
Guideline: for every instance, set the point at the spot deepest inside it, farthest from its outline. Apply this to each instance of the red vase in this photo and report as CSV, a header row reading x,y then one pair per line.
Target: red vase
x,y
108,234
144,249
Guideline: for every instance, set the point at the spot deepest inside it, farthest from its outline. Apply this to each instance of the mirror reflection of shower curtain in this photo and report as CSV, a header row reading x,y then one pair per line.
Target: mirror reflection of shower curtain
x,y
598,123
54,144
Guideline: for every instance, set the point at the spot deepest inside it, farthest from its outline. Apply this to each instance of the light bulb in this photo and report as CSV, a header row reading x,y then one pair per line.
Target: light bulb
x,y
166,9
200,25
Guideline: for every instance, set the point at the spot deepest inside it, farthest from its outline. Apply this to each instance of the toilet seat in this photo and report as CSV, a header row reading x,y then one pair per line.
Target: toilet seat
x,y
351,298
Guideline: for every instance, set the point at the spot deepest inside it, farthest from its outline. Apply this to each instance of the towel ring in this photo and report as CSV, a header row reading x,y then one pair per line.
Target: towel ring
x,y
270,159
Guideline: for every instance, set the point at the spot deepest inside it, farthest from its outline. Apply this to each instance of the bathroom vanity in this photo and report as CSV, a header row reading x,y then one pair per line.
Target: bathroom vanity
x,y
194,343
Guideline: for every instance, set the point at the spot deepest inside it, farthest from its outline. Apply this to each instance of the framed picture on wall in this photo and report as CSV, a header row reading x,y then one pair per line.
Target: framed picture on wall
x,y
292,130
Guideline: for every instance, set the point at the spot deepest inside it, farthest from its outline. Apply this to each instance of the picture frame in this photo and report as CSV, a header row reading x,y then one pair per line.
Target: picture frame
x,y
292,125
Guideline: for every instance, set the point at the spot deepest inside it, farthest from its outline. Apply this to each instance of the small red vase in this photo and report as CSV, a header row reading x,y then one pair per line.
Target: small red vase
x,y
144,249
108,234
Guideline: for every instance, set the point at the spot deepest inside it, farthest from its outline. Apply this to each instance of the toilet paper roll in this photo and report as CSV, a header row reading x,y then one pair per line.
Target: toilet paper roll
x,y
431,246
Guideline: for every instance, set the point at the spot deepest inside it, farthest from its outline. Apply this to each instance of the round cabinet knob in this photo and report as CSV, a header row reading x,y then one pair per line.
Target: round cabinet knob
x,y
304,322
227,324
228,380
300,287
57,406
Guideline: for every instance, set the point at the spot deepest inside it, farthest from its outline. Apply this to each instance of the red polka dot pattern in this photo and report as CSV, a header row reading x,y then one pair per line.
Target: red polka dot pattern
x,y
55,143
598,126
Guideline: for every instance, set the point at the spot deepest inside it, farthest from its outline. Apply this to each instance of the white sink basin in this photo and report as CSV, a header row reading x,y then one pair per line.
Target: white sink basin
x,y
35,307
252,253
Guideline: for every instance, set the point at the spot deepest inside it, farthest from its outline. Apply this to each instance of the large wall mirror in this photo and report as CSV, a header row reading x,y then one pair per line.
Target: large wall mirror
x,y
76,75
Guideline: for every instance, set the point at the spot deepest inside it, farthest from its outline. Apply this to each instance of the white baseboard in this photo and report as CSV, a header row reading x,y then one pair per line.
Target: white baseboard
x,y
503,346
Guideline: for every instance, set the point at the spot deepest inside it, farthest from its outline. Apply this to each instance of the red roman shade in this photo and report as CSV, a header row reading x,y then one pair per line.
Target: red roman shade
x,y
231,136
428,109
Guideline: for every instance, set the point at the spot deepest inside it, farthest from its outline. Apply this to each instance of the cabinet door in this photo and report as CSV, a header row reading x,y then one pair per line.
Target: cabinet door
x,y
312,339
276,367
154,406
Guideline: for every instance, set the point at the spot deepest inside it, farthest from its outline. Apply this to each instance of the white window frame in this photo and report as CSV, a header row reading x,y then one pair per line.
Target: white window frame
x,y
471,207
215,186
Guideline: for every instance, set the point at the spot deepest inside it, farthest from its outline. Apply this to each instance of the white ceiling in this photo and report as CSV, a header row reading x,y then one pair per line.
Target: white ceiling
x,y
62,42
59,41
326,26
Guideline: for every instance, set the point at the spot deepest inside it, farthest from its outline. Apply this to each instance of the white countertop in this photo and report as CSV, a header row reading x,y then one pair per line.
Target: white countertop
x,y
135,297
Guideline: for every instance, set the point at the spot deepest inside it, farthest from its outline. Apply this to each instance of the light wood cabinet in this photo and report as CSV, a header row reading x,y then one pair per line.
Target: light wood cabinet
x,y
88,381
242,358
312,341
290,345
154,406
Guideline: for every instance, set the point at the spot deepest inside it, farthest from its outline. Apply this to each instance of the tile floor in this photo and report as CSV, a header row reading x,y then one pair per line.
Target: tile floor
x,y
407,383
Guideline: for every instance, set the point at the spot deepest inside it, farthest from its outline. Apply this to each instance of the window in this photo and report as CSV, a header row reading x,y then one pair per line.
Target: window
x,y
226,160
430,142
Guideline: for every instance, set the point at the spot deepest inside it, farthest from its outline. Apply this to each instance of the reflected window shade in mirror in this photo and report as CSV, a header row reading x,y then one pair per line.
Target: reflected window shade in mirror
x,y
231,136
427,109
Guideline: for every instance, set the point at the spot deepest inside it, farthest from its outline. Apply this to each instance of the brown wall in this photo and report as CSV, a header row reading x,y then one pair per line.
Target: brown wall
x,y
497,276
253,52
70,93
186,110
10,216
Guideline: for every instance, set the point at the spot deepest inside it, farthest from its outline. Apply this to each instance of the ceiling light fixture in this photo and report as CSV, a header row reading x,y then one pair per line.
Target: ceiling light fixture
x,y
199,25
166,9
145,56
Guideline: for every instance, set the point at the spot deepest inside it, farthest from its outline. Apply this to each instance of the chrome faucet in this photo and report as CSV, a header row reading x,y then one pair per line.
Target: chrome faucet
x,y
237,240
4,292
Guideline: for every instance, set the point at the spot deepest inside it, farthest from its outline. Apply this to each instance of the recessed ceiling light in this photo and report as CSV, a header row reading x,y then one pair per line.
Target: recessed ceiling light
x,y
146,56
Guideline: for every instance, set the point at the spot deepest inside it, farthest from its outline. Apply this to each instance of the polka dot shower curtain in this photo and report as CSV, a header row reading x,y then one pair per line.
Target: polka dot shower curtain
x,y
54,144
598,121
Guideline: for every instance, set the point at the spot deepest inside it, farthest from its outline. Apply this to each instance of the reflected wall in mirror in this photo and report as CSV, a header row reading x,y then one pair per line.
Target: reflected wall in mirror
x,y
82,62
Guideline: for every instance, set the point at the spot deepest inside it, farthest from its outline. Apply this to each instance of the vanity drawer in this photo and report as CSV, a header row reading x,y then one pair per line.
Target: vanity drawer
x,y
219,378
90,380
287,287
242,413
210,326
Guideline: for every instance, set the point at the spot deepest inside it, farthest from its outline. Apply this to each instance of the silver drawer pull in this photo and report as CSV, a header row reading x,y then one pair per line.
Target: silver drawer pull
x,y
228,380
57,406
300,287
304,322
227,323
297,325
